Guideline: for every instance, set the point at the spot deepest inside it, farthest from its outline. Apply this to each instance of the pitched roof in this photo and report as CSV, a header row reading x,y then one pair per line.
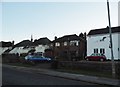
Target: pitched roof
x,y
24,43
7,51
6,44
104,30
67,37
42,41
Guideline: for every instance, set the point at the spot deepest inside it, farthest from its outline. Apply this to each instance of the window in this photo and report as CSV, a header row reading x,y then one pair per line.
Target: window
x,y
95,50
51,45
74,43
102,51
57,44
65,43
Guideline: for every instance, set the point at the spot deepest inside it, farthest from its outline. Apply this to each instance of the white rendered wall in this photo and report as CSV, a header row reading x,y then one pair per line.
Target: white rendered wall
x,y
3,49
41,48
19,50
94,42
119,45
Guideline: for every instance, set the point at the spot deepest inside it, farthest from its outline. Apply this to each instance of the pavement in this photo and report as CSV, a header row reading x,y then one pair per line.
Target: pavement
x,y
80,77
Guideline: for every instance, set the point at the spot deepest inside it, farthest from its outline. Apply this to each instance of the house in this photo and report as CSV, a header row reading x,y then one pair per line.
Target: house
x,y
98,41
41,45
26,46
22,47
5,47
43,41
69,47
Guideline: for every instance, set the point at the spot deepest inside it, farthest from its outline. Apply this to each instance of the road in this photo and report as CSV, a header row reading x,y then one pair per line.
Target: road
x,y
13,76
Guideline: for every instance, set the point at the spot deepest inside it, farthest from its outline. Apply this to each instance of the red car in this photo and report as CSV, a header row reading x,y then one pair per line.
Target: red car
x,y
96,56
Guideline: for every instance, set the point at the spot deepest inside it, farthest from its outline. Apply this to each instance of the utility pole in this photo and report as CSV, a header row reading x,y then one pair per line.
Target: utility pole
x,y
111,45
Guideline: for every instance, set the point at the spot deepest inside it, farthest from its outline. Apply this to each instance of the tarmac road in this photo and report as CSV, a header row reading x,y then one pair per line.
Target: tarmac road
x,y
13,76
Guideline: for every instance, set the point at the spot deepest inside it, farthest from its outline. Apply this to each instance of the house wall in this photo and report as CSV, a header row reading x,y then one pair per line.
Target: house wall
x,y
115,45
67,52
94,42
41,48
3,49
20,50
15,50
119,46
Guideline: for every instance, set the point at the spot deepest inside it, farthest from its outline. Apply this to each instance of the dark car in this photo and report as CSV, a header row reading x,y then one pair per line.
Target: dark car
x,y
96,57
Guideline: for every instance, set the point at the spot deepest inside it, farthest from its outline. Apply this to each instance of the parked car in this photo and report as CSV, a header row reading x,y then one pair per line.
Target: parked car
x,y
96,57
37,58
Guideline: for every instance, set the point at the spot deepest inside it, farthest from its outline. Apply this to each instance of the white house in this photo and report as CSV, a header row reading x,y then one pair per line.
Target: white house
x,y
98,41
3,49
26,45
20,50
23,47
41,48
4,46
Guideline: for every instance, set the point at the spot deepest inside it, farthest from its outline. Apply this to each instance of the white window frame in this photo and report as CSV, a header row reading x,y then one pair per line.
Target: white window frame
x,y
57,44
65,43
73,42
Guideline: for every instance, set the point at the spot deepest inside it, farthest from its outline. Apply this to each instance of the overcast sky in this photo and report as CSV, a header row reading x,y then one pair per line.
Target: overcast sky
x,y
20,20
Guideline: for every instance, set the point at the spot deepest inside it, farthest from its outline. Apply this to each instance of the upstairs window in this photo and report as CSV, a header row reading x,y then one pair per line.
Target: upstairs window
x,y
51,44
57,44
74,43
65,43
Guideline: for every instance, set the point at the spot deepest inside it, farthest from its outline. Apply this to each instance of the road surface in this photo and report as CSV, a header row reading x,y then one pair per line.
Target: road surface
x,y
13,76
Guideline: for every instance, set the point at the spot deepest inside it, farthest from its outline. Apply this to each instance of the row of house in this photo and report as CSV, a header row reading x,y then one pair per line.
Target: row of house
x,y
70,47
25,46
65,48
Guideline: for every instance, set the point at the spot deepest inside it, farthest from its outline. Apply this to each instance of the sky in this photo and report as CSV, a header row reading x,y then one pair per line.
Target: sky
x,y
50,18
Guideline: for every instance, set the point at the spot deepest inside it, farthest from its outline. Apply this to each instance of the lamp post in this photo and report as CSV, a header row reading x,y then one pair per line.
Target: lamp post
x,y
111,45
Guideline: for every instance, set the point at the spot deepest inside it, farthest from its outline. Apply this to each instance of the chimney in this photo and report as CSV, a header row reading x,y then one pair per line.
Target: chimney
x,y
85,35
13,43
55,37
31,38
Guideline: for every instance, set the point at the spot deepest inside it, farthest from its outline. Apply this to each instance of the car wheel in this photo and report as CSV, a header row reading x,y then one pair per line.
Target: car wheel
x,y
101,60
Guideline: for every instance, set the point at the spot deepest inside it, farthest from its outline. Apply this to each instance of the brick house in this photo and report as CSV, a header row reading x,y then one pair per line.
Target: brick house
x,y
69,47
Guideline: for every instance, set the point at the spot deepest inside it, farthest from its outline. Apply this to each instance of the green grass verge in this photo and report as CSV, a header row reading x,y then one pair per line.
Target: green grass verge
x,y
85,72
